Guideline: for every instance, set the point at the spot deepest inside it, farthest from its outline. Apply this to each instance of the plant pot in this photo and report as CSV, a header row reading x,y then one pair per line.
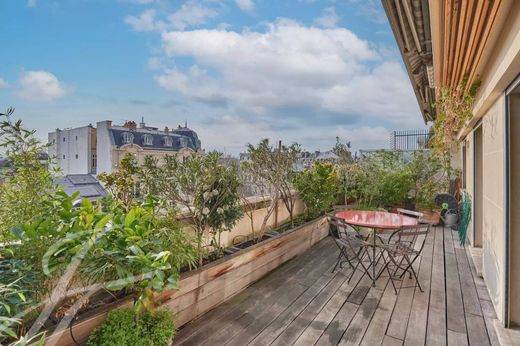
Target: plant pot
x,y
431,216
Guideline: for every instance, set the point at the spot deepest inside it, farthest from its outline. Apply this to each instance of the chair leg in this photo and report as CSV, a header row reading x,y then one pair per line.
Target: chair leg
x,y
337,262
413,272
345,254
410,264
389,273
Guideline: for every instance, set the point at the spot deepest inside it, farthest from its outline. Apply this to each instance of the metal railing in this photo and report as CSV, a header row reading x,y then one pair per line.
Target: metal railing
x,y
410,139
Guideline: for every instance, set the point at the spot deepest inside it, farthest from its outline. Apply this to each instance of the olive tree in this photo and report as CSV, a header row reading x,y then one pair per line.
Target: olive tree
x,y
276,166
201,187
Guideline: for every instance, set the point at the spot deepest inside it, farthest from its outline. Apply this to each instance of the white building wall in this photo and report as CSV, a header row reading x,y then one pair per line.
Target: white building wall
x,y
104,147
72,149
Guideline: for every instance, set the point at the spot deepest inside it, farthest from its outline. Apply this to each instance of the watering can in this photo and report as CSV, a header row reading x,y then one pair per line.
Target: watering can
x,y
450,217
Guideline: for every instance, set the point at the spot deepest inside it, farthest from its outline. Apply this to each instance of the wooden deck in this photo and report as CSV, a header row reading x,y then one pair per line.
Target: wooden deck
x,y
303,303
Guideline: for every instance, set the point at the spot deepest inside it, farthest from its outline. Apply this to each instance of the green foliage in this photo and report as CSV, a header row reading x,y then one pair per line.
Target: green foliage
x,y
202,186
454,106
427,177
122,182
343,151
318,187
122,328
127,250
384,179
276,166
27,182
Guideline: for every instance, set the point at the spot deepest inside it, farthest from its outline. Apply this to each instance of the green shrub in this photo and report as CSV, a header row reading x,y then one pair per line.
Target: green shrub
x,y
123,329
318,187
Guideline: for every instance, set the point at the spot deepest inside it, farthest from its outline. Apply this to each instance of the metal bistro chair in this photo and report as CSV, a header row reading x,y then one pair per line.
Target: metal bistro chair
x,y
351,244
404,247
410,213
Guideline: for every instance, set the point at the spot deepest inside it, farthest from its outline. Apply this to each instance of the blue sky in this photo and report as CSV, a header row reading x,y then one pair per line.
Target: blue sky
x,y
236,70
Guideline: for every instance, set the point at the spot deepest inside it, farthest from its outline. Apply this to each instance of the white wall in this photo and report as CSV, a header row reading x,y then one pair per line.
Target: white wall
x,y
104,147
72,149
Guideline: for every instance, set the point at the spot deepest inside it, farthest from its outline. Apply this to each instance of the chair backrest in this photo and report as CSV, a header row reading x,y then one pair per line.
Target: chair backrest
x,y
343,233
411,213
412,236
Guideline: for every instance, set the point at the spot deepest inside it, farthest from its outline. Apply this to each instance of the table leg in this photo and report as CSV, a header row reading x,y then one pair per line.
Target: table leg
x,y
373,259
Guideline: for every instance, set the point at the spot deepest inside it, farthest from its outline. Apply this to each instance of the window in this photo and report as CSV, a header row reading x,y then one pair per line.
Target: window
x,y
76,156
183,142
127,137
148,139
64,156
76,138
167,141
53,140
94,160
64,139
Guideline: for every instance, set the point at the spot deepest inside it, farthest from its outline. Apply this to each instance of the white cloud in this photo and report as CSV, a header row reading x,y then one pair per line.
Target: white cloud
x,y
3,83
40,85
328,18
144,22
245,5
155,63
290,67
190,14
31,3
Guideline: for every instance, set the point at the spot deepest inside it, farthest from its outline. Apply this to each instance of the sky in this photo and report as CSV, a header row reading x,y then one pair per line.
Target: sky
x,y
237,71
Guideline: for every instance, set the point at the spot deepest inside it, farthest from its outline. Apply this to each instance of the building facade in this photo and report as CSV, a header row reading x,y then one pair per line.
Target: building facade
x,y
74,150
93,150
442,43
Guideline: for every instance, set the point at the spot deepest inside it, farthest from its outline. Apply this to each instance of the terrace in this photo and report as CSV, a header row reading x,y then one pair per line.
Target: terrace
x,y
304,303
277,286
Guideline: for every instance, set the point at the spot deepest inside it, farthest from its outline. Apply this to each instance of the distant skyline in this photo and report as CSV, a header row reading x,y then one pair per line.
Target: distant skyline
x,y
302,71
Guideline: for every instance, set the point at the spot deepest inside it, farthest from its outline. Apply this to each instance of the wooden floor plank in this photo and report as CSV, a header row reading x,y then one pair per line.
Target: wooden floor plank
x,y
276,327
457,339
315,329
300,323
268,285
303,303
454,304
389,341
359,324
417,322
469,291
215,328
477,333
436,328
376,331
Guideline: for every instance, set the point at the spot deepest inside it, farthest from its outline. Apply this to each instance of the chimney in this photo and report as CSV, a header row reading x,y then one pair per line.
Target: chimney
x,y
142,124
109,123
166,129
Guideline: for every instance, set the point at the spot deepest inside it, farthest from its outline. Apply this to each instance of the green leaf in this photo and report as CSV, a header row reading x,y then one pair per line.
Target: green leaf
x,y
102,222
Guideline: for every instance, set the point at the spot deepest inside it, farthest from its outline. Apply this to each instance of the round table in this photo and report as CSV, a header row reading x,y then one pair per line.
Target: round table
x,y
377,221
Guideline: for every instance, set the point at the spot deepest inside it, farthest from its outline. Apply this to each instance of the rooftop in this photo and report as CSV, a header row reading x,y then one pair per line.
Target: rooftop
x,y
303,303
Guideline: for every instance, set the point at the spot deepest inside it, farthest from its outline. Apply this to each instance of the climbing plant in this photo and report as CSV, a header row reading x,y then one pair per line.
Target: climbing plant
x,y
454,108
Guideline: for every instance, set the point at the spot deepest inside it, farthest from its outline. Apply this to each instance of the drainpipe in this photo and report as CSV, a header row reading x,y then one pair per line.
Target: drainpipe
x,y
507,186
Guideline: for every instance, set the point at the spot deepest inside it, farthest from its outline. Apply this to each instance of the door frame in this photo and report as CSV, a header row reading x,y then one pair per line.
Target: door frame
x,y
507,200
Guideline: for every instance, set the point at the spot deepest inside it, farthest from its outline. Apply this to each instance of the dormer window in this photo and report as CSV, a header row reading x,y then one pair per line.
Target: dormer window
x,y
147,139
168,141
183,142
127,137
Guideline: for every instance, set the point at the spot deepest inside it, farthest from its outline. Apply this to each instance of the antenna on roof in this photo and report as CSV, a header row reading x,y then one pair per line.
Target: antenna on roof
x,y
185,123
142,124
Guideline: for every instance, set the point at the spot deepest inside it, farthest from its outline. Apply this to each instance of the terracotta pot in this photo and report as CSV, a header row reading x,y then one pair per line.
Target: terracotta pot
x,y
431,216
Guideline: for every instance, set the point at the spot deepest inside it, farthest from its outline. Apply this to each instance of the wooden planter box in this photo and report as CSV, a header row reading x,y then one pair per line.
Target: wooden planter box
x,y
209,286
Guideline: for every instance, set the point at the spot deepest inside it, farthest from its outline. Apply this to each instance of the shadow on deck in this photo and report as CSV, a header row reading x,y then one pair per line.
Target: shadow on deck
x,y
303,303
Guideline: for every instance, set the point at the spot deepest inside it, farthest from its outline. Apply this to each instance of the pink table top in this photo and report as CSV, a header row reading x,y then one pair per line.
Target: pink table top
x,y
376,219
